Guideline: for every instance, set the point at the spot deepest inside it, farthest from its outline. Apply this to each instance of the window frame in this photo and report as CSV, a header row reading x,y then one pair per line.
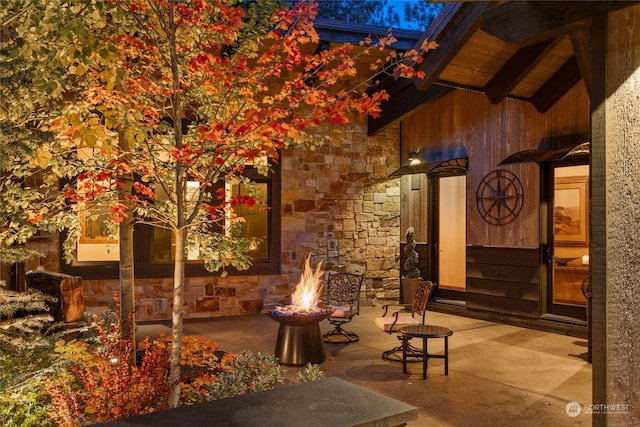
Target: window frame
x,y
142,235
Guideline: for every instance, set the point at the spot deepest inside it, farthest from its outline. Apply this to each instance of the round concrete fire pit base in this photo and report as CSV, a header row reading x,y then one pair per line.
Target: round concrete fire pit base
x,y
299,338
299,345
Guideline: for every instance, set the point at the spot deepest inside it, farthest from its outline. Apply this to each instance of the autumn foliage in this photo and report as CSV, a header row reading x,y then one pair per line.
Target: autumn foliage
x,y
101,385
193,86
182,97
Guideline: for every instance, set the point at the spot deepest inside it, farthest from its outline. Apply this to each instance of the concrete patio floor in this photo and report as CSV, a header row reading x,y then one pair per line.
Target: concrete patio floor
x,y
499,375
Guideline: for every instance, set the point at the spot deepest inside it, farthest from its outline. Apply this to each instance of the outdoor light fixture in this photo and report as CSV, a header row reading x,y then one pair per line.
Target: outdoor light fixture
x,y
414,158
451,159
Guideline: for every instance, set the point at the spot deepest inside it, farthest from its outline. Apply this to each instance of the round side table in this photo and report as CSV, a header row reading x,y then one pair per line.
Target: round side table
x,y
425,332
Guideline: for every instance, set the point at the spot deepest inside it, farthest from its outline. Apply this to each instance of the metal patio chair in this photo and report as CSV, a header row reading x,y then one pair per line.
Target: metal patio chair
x,y
343,295
407,315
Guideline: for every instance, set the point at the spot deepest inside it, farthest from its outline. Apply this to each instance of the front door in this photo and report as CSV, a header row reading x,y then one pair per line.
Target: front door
x,y
449,234
568,231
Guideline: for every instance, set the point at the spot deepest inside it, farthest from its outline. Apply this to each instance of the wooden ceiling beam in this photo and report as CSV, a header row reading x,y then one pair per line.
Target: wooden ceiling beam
x,y
516,69
529,22
581,42
560,83
407,98
451,30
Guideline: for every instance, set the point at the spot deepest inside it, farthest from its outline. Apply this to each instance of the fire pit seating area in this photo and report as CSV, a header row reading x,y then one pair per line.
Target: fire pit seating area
x,y
343,296
407,315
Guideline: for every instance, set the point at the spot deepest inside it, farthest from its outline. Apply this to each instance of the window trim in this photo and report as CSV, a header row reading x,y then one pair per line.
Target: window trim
x,y
144,268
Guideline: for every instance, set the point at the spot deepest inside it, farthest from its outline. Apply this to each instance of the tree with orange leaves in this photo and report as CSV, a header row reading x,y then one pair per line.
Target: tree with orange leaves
x,y
187,96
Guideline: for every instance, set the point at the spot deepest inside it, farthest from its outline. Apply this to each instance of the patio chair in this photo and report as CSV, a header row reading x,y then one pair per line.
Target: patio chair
x,y
343,295
407,315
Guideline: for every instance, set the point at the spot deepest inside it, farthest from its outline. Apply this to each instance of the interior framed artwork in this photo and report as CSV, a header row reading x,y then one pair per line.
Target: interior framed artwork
x,y
570,218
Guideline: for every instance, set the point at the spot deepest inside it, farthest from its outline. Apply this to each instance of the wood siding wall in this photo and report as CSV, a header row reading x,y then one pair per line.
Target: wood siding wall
x,y
504,280
503,261
490,133
414,210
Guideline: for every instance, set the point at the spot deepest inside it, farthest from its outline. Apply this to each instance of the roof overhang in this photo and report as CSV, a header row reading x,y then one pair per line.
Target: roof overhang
x,y
530,51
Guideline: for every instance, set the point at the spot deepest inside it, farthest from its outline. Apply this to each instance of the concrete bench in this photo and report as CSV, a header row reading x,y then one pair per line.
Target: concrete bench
x,y
330,402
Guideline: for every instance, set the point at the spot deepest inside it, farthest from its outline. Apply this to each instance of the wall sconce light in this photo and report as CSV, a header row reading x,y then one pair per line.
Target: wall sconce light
x,y
414,158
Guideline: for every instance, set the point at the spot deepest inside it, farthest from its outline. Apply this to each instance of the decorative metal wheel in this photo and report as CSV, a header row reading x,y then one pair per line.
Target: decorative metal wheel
x,y
500,197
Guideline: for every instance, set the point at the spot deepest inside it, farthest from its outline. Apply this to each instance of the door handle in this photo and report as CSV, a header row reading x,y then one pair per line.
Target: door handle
x,y
547,254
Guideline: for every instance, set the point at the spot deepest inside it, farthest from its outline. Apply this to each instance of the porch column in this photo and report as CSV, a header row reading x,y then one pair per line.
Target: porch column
x,y
615,217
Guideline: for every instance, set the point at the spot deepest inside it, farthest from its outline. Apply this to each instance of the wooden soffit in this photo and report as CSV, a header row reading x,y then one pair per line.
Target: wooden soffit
x,y
534,51
455,24
528,22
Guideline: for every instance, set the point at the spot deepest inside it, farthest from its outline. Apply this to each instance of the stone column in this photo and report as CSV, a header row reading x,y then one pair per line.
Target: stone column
x,y
615,217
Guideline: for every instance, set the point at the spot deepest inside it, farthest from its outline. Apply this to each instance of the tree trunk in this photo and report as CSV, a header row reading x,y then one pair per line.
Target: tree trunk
x,y
181,231
177,315
127,293
126,270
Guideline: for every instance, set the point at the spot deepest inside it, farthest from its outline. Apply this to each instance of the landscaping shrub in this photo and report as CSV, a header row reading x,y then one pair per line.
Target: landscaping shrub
x,y
247,372
23,399
54,374
309,373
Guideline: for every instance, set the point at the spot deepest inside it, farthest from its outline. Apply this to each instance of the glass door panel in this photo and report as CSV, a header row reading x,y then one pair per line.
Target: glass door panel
x,y
570,230
451,249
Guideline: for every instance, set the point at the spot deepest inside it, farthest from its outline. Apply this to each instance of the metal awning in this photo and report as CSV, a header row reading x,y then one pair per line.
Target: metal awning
x,y
455,166
547,155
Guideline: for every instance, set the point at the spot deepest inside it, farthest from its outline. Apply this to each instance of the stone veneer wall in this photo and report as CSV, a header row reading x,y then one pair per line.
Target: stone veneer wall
x,y
337,206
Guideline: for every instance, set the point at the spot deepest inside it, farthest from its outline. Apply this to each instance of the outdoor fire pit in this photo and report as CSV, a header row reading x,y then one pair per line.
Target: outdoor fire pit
x,y
299,338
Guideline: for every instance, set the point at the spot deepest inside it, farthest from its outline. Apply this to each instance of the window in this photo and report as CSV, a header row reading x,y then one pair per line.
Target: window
x,y
256,226
153,246
96,242
162,242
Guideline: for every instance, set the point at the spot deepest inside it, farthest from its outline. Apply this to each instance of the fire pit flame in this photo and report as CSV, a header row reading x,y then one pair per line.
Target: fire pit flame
x,y
306,294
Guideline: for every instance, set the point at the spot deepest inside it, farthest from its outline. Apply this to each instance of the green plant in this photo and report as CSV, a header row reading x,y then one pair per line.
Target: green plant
x,y
25,362
87,380
309,373
23,399
247,372
25,406
102,385
22,317
27,357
